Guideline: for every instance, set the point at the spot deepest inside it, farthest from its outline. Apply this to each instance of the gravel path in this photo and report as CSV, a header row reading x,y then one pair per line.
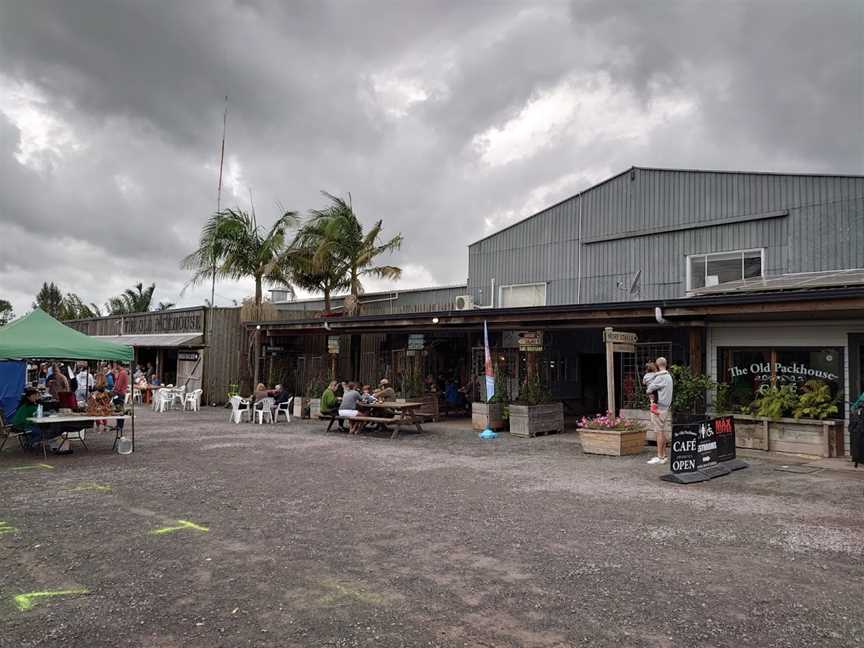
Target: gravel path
x,y
307,539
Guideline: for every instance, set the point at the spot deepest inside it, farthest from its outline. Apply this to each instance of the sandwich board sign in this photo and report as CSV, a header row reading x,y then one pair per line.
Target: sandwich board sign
x,y
702,450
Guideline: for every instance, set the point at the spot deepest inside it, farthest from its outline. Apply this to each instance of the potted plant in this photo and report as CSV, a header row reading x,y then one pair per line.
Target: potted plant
x,y
534,412
309,405
689,394
491,414
608,434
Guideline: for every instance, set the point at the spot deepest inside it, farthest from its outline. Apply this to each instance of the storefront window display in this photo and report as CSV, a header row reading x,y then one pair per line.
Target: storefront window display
x,y
748,371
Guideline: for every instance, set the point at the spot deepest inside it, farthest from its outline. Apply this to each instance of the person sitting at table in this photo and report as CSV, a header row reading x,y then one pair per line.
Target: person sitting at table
x,y
35,434
330,402
348,407
154,381
385,392
261,392
280,395
366,397
138,374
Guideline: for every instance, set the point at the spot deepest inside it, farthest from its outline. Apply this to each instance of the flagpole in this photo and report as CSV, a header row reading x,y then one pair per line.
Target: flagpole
x,y
489,378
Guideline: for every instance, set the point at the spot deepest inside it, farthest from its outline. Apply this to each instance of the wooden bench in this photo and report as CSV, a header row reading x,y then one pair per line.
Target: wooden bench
x,y
332,419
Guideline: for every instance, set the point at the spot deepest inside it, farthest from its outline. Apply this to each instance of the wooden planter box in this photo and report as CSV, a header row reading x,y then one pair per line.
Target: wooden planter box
x,y
314,408
531,420
612,442
300,405
430,406
802,436
489,415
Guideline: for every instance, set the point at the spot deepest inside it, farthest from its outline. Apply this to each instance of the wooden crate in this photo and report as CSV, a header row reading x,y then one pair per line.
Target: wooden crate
x,y
531,420
489,415
614,443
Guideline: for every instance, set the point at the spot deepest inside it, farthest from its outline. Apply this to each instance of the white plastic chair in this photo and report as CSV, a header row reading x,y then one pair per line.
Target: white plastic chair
x,y
193,400
137,397
163,400
179,396
284,408
239,407
262,408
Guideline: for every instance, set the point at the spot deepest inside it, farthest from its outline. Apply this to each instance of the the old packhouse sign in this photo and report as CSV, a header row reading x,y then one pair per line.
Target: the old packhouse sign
x,y
178,322
792,372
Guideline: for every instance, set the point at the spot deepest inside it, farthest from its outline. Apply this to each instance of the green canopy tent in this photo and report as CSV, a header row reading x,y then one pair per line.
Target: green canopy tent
x,y
39,336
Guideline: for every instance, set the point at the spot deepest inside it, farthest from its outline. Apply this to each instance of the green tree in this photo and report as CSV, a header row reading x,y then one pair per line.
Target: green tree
x,y
74,308
49,299
6,313
324,275
342,238
137,299
241,249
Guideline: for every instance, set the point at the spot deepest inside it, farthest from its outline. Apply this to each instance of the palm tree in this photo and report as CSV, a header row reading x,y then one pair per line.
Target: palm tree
x,y
49,299
325,276
233,246
74,308
341,237
133,300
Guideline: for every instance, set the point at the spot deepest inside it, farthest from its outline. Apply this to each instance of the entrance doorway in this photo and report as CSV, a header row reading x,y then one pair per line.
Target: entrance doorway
x,y
856,365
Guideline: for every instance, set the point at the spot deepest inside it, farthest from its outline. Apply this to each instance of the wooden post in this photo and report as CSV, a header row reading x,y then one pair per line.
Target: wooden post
x,y
696,350
531,364
257,356
610,372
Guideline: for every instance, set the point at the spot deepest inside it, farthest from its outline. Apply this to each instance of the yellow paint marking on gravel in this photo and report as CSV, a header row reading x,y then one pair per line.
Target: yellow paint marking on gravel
x,y
28,600
181,524
92,486
31,466
5,528
341,592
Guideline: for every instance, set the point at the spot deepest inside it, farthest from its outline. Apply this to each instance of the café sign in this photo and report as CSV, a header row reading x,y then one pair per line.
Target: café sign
x,y
794,372
530,341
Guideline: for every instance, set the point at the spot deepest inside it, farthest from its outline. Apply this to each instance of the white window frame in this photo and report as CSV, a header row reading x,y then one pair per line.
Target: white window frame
x,y
708,255
522,285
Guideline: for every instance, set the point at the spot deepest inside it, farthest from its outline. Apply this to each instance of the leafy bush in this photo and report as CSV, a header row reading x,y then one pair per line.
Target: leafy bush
x,y
774,402
688,396
611,422
502,385
815,402
723,398
534,392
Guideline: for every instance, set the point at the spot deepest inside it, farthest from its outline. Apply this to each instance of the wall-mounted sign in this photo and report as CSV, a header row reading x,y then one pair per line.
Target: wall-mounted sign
x,y
530,340
702,445
333,344
416,342
189,356
619,337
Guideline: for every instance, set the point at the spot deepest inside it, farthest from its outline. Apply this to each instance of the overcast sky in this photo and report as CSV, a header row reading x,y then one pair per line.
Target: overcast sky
x,y
447,120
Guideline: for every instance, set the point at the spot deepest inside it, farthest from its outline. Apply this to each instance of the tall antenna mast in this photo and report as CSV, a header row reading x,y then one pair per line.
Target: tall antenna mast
x,y
219,195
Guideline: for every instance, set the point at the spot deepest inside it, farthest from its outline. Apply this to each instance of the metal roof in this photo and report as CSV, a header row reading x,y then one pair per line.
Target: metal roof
x,y
157,340
796,281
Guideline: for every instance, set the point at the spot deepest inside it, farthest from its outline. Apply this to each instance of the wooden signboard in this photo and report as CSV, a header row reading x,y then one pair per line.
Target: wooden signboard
x,y
333,344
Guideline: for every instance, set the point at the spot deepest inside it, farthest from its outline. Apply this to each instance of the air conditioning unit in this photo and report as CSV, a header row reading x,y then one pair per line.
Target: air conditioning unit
x,y
464,302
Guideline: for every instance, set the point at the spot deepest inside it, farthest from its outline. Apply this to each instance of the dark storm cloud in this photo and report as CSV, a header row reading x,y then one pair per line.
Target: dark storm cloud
x,y
439,117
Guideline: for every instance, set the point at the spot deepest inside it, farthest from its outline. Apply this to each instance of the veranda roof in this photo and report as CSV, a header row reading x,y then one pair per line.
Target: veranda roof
x,y
38,335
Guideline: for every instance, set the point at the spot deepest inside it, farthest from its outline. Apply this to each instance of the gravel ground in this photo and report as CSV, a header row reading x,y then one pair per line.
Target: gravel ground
x,y
434,540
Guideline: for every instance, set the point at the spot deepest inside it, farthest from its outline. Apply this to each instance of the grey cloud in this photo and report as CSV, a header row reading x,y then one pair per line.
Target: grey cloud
x,y
141,85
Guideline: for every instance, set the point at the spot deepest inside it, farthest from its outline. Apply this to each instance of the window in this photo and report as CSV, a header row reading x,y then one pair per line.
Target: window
x,y
706,270
748,371
522,295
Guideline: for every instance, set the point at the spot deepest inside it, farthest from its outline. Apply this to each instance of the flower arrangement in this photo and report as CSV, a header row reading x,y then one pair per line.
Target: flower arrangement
x,y
609,421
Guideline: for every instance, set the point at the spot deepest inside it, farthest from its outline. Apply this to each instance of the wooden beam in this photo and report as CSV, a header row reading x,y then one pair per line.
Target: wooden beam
x,y
696,350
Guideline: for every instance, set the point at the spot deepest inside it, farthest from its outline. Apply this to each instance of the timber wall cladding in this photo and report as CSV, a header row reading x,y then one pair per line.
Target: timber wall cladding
x,y
226,356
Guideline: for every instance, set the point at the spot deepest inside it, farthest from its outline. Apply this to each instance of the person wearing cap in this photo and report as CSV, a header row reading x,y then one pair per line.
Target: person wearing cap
x,y
35,434
385,391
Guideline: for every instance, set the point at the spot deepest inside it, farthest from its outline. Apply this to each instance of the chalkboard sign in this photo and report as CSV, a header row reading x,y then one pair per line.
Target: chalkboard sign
x,y
702,444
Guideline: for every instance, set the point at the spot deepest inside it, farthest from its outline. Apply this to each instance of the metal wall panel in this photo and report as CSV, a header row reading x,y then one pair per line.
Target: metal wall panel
x,y
824,230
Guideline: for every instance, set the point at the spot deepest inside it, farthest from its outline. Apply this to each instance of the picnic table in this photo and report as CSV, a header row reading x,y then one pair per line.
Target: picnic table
x,y
80,418
403,414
